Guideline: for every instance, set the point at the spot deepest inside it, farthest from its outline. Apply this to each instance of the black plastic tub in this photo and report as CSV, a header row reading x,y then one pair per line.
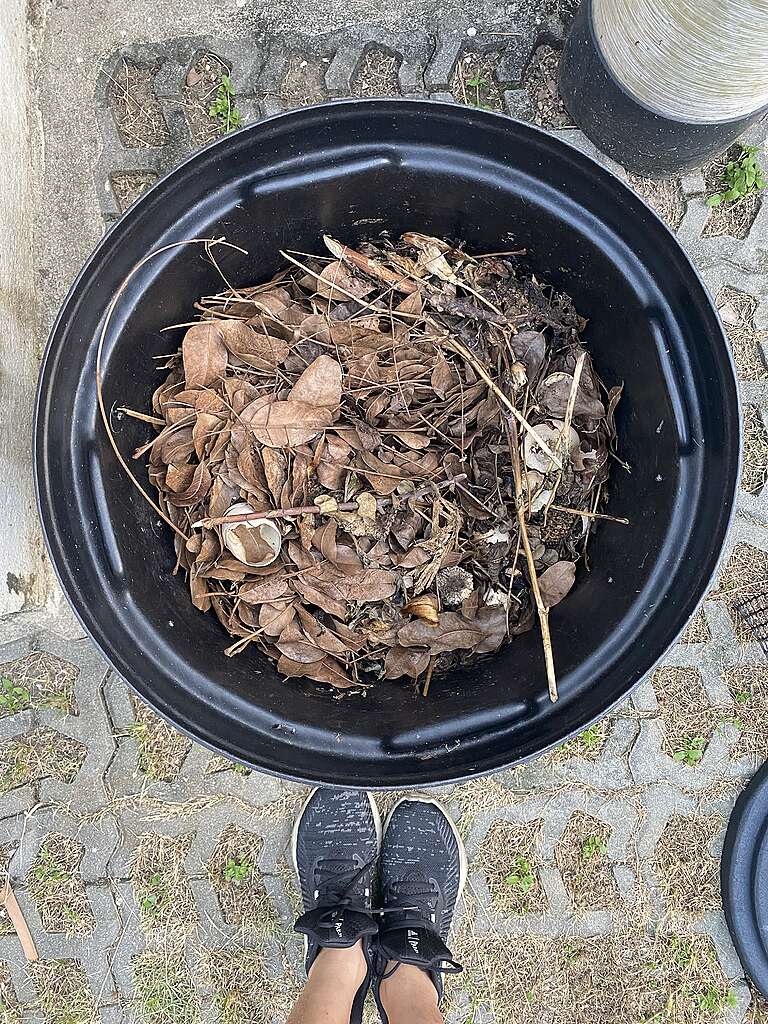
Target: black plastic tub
x,y
353,169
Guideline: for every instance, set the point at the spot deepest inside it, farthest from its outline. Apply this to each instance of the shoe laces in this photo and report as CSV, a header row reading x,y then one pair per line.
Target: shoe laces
x,y
335,883
413,894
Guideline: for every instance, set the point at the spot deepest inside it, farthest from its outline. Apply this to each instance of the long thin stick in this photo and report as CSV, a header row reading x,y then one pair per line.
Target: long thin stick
x,y
305,510
154,420
541,608
590,515
571,405
478,367
99,380
279,513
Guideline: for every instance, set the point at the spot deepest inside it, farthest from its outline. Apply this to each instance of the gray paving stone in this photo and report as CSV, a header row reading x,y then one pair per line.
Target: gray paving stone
x,y
130,942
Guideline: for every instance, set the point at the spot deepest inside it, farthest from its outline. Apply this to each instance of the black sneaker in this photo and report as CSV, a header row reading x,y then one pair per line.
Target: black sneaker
x,y
423,871
336,842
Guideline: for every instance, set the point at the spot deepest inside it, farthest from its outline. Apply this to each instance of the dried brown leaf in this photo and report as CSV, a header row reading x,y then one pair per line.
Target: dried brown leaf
x,y
556,581
198,488
256,348
412,304
452,633
405,661
443,377
275,470
296,645
319,385
198,589
204,355
283,424
530,348
276,616
338,274
370,585
178,478
413,439
553,394
205,426
326,671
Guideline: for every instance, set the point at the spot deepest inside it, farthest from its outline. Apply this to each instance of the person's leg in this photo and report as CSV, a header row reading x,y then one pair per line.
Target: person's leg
x,y
423,870
333,981
409,996
335,848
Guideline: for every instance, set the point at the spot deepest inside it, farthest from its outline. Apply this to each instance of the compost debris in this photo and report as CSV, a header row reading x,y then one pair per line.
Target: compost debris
x,y
384,462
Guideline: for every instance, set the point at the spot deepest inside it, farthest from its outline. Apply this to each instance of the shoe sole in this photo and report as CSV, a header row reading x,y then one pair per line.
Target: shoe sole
x,y
295,839
463,866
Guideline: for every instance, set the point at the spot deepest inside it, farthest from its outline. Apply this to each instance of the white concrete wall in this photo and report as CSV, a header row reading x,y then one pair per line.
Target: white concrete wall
x,y
24,578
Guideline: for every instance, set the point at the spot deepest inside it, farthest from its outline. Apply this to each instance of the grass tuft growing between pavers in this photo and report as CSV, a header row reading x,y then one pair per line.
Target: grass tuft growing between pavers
x,y
688,718
162,749
167,907
247,990
164,989
43,754
38,680
688,874
235,877
64,995
57,888
630,977
581,856
508,859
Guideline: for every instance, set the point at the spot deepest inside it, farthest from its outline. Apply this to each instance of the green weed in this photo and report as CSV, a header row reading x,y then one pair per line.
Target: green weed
x,y
155,899
13,698
477,82
521,877
237,871
593,847
591,738
691,751
48,871
224,108
741,177
716,1001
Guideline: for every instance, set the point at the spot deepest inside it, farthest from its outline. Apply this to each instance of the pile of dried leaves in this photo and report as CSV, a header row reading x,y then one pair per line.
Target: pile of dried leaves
x,y
417,432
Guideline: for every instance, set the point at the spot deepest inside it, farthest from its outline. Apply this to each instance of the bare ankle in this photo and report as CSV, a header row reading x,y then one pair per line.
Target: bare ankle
x,y
409,995
347,965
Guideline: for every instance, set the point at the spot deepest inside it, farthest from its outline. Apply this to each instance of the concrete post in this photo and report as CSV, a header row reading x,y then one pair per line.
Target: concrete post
x,y
24,576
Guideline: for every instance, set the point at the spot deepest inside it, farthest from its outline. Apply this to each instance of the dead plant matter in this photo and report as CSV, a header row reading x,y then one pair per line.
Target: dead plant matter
x,y
383,463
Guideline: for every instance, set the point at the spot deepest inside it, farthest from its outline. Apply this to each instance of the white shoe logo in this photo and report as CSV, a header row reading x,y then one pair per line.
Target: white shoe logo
x,y
413,941
339,932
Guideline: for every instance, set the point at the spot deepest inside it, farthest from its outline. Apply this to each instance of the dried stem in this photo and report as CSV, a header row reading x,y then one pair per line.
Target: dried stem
x,y
13,910
541,608
568,418
428,677
370,267
306,510
590,515
99,380
156,421
277,513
